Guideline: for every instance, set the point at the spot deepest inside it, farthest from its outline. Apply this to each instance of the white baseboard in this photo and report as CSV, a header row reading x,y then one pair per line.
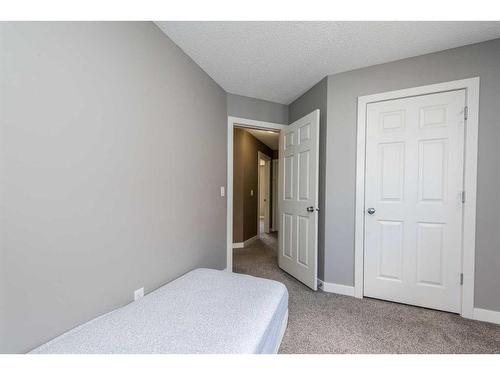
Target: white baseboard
x,y
486,315
239,245
345,290
490,316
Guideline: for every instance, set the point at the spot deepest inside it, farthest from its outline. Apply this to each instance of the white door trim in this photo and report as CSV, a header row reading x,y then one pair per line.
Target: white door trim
x,y
231,123
261,155
275,195
471,87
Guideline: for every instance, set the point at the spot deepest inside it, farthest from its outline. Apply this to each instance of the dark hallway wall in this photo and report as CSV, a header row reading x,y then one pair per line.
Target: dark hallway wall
x,y
245,179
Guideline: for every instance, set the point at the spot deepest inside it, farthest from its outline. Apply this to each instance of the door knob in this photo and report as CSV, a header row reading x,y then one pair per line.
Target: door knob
x,y
370,211
311,209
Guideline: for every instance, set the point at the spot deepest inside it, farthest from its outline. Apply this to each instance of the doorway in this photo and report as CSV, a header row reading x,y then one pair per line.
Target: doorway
x,y
265,131
298,151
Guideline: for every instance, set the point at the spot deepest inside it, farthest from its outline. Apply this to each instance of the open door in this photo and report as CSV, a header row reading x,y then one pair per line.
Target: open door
x,y
298,199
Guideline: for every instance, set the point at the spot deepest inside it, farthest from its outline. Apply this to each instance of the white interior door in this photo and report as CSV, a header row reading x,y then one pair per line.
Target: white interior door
x,y
298,199
413,203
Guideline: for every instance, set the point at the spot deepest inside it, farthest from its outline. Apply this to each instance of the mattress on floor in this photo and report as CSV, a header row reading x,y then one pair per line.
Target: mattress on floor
x,y
204,311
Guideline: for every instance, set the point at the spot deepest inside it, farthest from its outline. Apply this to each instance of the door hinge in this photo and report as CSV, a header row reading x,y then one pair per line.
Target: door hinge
x,y
462,196
466,112
461,279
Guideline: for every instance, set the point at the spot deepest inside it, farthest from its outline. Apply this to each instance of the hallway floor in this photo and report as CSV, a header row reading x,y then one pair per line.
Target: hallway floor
x,y
330,323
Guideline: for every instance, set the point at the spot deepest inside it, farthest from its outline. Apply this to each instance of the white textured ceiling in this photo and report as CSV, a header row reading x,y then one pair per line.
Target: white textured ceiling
x,y
279,61
269,138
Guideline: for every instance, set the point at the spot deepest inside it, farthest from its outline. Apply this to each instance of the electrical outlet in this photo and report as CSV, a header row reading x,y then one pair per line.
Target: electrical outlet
x,y
138,294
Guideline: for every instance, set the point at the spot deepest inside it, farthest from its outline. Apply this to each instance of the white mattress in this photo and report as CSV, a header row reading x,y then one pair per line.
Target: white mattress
x,y
204,311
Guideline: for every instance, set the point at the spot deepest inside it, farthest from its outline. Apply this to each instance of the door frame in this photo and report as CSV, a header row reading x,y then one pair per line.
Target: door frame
x,y
274,215
471,87
239,122
267,207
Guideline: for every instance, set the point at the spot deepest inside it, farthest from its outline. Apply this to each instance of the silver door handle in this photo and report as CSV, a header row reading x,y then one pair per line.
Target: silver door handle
x,y
371,211
311,209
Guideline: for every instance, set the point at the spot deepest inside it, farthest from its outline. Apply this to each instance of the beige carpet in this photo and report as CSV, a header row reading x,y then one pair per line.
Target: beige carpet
x,y
329,323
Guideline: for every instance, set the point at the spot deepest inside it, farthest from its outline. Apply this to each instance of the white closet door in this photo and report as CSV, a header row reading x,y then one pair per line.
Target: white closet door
x,y
413,218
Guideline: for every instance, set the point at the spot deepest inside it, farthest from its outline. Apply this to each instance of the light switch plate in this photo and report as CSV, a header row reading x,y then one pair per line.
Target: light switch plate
x,y
251,192
222,191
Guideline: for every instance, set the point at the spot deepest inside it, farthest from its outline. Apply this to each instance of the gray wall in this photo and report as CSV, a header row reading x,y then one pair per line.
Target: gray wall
x,y
481,60
98,194
256,109
316,98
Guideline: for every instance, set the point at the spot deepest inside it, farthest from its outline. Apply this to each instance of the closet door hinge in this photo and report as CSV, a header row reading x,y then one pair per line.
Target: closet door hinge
x,y
466,112
461,279
462,196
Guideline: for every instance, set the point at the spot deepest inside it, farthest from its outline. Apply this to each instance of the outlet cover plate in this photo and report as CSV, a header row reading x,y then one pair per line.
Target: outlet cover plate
x,y
138,294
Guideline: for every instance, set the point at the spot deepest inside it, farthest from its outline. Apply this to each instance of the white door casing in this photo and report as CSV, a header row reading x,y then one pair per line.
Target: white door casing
x,y
267,208
414,181
266,193
298,199
275,216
